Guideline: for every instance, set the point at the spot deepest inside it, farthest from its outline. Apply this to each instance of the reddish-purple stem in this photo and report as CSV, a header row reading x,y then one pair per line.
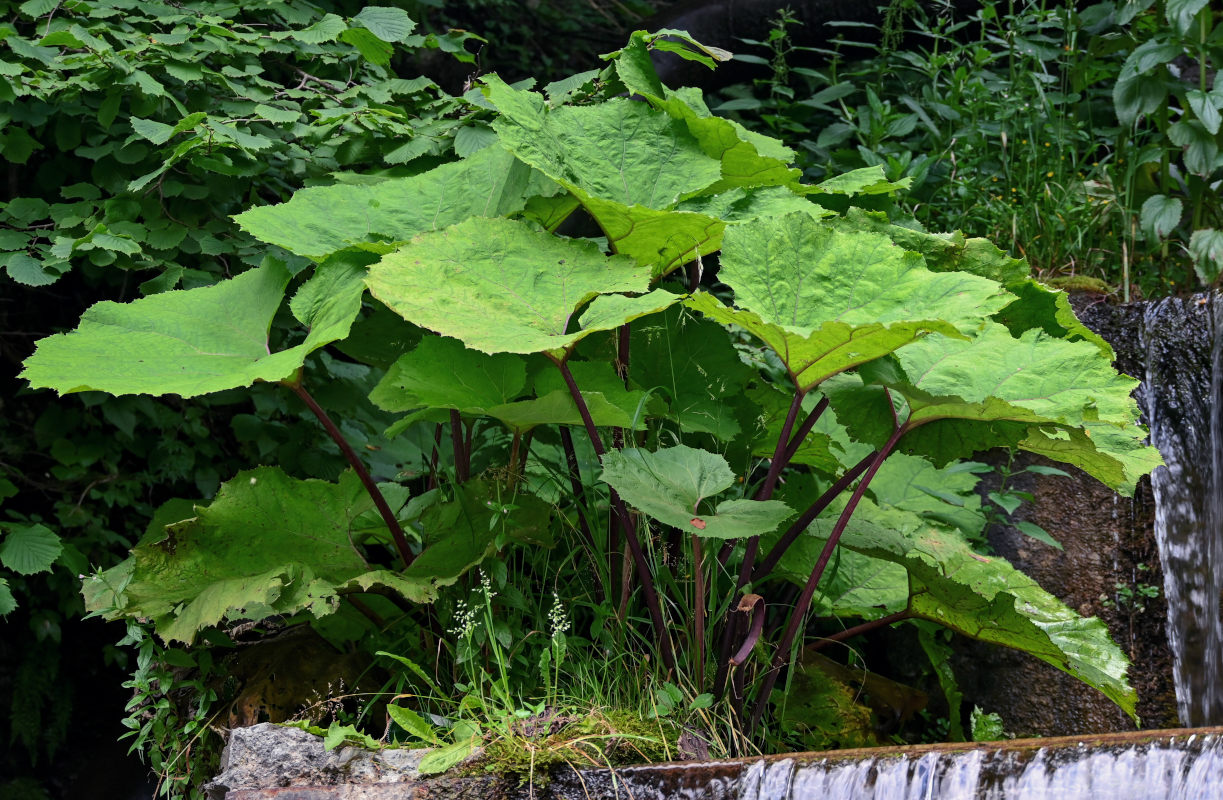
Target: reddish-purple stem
x,y
814,510
456,444
375,494
779,452
575,485
865,627
626,523
753,633
797,440
804,599
753,544
698,565
437,444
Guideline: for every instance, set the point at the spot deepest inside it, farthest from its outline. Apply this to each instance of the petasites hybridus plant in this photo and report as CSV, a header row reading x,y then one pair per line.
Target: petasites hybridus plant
x,y
769,425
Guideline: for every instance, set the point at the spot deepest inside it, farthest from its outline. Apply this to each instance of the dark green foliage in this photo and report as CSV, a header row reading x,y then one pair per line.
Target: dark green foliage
x,y
1083,137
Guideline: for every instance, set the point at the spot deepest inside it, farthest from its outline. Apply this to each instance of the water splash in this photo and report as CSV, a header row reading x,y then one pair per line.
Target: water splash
x,y
1171,768
1183,387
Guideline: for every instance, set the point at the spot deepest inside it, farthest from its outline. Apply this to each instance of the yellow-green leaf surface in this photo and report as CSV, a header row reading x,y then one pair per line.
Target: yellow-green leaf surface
x,y
441,373
747,158
944,252
558,408
502,286
268,544
1052,379
670,484
319,221
619,150
827,300
980,596
1051,396
197,341
625,162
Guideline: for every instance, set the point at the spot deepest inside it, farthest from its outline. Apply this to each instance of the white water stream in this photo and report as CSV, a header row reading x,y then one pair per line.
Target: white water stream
x,y
1186,767
1155,771
1183,342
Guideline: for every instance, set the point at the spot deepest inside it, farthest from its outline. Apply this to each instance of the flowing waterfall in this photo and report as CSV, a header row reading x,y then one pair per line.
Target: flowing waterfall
x,y
1167,767
1183,342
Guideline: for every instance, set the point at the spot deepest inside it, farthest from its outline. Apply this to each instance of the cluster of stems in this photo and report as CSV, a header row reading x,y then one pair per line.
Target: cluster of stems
x,y
743,625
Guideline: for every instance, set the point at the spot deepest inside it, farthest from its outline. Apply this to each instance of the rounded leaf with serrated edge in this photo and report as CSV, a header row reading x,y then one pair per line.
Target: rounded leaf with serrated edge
x,y
27,549
669,485
502,286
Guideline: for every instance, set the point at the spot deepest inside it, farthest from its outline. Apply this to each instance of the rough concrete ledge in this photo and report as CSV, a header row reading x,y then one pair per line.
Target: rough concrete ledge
x,y
267,762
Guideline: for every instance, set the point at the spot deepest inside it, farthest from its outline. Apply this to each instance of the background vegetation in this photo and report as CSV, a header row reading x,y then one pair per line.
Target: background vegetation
x,y
134,131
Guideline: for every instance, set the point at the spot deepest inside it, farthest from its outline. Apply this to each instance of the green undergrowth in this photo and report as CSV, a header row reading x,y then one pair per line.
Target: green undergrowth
x,y
595,739
1085,136
635,416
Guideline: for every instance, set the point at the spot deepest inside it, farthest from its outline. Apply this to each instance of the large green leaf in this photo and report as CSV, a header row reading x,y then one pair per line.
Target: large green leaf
x,y
691,362
173,342
669,485
317,222
1059,398
945,496
558,408
503,286
619,150
827,300
1037,306
625,162
747,158
944,252
268,544
1032,378
980,596
441,373
27,549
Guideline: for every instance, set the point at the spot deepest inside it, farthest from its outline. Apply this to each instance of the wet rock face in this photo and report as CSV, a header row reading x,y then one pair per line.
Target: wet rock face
x,y
1106,537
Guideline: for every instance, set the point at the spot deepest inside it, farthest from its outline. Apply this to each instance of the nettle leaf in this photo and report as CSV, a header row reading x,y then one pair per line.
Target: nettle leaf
x,y
669,485
827,300
441,373
387,23
8,603
983,597
170,343
1206,248
28,549
1160,216
268,544
502,286
325,30
317,222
